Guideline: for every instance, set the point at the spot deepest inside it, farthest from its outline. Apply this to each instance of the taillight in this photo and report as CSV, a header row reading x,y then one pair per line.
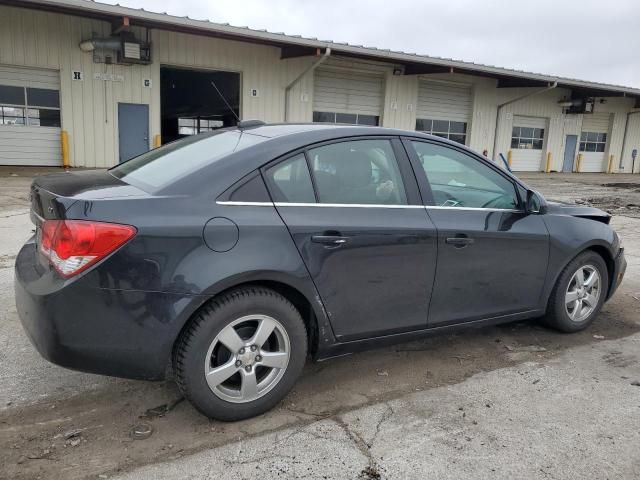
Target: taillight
x,y
74,245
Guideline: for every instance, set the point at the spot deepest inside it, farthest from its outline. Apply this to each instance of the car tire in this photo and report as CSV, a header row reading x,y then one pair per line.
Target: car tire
x,y
573,307
207,351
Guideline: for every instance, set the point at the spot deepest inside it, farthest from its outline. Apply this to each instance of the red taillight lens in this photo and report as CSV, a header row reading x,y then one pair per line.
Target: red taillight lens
x,y
74,245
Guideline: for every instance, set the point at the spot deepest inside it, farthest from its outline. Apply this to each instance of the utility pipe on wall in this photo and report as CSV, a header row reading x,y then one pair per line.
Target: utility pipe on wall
x,y
310,68
509,102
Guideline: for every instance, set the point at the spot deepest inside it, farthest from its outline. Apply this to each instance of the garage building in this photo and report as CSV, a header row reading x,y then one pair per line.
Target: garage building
x,y
90,85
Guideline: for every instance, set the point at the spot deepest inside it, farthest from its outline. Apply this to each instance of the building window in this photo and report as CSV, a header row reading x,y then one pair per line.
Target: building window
x,y
36,107
350,118
455,131
193,126
527,138
593,142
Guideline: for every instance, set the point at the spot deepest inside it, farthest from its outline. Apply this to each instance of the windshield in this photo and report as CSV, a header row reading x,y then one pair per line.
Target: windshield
x,y
159,167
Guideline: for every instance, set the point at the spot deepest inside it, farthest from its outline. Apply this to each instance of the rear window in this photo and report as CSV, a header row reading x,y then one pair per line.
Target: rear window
x,y
161,166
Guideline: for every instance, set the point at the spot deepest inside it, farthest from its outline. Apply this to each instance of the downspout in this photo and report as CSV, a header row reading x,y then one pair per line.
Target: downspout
x,y
517,99
624,139
310,68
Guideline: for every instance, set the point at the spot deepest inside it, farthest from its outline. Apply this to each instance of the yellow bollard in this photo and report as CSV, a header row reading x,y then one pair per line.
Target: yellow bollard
x,y
578,165
64,144
610,167
548,167
509,155
157,141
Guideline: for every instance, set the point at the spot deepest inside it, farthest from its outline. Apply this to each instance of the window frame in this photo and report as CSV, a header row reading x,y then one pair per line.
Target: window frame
x,y
425,187
26,106
357,115
448,132
532,138
411,188
586,141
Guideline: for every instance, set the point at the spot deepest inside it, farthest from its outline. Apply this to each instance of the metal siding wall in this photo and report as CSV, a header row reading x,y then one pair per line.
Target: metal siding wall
x,y
633,142
401,92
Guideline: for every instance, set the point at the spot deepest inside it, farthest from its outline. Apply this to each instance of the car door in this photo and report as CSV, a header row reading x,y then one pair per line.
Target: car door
x,y
354,211
492,256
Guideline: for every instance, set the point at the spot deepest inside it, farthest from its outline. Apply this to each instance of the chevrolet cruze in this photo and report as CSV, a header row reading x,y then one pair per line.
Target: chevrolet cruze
x,y
235,255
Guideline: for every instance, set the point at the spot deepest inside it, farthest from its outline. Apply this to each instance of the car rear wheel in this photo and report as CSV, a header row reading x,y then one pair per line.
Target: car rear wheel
x,y
241,354
578,294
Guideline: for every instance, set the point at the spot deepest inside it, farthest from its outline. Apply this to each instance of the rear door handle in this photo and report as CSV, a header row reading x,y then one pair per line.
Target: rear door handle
x,y
459,242
330,240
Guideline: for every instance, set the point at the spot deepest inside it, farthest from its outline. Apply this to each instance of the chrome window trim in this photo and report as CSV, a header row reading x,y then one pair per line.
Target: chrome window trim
x,y
344,205
480,209
361,205
245,204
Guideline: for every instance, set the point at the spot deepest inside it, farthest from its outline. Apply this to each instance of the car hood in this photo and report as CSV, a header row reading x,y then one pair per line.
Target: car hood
x,y
555,207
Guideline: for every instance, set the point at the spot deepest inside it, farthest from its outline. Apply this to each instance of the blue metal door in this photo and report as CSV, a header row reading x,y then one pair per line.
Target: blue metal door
x,y
569,153
133,130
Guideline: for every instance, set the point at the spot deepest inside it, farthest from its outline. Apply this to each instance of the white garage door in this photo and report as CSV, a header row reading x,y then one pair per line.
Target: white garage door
x,y
29,116
593,142
341,96
527,143
444,109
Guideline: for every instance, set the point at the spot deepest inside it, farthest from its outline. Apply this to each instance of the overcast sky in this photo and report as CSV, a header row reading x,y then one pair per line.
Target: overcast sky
x,y
584,39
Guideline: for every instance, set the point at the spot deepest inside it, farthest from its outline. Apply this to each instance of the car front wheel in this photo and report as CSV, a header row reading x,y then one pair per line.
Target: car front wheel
x,y
241,354
578,294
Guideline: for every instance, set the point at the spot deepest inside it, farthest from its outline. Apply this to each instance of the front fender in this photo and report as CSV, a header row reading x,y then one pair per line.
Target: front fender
x,y
568,237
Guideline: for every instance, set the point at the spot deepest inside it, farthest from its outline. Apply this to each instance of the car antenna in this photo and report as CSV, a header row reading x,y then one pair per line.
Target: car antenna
x,y
213,84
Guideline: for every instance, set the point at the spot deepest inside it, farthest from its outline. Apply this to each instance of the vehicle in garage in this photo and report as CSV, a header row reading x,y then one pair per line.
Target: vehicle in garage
x,y
235,254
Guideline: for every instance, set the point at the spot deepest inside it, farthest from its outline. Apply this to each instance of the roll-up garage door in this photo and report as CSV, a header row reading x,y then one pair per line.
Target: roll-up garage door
x,y
593,142
342,96
29,116
527,143
444,109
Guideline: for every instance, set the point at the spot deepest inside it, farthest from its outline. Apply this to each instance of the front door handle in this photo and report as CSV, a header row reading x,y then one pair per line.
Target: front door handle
x,y
330,240
459,241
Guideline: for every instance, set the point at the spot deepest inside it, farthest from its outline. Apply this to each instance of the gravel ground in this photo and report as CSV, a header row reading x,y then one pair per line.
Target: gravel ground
x,y
515,401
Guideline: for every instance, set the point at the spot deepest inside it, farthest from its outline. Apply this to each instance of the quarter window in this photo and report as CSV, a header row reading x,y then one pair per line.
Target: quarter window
x,y
350,118
459,180
36,107
593,142
527,138
289,181
455,131
357,172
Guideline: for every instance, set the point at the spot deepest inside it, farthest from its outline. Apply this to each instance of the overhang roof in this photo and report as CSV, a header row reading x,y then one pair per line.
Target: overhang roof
x,y
296,45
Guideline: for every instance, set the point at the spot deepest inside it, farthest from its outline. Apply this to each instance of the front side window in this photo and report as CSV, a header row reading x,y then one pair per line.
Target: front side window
x,y
349,118
289,181
527,138
357,172
459,180
36,107
455,131
593,141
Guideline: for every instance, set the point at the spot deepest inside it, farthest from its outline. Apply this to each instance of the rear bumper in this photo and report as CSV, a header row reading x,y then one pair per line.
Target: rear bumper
x,y
120,333
620,268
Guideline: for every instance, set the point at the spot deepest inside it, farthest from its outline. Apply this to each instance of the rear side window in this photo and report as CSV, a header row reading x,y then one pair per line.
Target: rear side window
x,y
289,181
158,168
357,172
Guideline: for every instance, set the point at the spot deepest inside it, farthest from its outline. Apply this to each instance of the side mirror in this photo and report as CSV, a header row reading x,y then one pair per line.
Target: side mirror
x,y
534,203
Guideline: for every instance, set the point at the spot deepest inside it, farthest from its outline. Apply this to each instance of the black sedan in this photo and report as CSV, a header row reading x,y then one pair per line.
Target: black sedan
x,y
232,256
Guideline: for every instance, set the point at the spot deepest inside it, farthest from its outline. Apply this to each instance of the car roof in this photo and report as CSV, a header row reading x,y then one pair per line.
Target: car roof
x,y
274,130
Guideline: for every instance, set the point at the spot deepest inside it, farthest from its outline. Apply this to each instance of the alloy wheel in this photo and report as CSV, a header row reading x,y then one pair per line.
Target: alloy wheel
x,y
583,293
247,358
